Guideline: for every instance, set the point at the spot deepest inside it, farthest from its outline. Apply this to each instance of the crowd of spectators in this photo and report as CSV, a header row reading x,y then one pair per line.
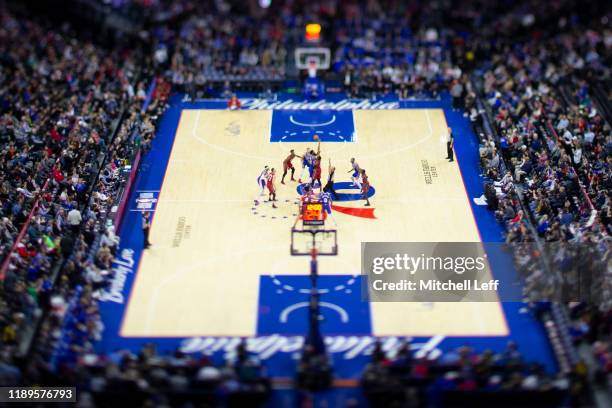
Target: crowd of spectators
x,y
209,48
381,55
59,98
553,170
146,10
550,166
547,159
590,325
149,378
71,330
375,52
63,169
170,380
206,50
420,381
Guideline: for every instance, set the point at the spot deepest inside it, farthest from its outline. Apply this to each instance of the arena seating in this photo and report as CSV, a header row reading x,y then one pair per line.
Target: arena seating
x,y
60,103
461,378
74,114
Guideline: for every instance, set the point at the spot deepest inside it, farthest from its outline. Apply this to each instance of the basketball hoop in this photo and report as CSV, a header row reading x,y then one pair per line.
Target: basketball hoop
x,y
309,237
313,242
313,64
321,57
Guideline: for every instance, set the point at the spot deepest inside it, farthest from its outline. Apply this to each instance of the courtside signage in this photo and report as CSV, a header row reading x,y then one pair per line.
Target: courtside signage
x,y
122,267
344,104
350,347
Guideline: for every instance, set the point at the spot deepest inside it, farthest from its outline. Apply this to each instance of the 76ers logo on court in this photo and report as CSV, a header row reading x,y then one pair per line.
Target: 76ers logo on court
x,y
354,194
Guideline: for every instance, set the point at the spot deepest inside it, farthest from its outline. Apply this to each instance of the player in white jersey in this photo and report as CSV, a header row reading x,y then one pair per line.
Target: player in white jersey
x,y
308,161
305,161
262,180
326,200
356,170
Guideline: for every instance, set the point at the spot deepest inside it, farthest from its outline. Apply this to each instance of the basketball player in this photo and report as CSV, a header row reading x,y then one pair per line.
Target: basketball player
x,y
327,205
308,161
316,176
288,165
356,172
329,187
312,158
271,183
365,187
305,160
233,103
261,182
308,195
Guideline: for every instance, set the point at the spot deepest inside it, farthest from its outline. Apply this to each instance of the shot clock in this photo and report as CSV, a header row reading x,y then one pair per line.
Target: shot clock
x,y
313,214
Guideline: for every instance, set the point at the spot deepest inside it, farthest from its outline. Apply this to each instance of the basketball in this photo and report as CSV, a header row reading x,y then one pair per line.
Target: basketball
x,y
316,138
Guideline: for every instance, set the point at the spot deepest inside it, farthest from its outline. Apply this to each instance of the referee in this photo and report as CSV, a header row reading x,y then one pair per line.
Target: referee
x,y
146,226
329,187
450,154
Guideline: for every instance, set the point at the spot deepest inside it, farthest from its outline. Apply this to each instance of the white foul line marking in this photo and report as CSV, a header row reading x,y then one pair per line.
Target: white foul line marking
x,y
295,122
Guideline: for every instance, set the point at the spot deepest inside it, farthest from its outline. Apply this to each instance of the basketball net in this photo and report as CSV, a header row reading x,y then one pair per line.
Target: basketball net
x,y
312,69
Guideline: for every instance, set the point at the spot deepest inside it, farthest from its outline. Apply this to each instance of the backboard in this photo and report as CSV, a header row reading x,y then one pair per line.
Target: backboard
x,y
304,240
305,57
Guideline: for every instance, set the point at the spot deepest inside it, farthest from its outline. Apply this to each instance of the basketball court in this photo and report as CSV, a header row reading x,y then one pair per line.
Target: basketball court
x,y
213,248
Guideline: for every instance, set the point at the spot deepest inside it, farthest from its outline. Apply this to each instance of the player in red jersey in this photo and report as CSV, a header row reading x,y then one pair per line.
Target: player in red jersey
x,y
316,174
365,187
287,164
271,184
233,103
308,195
